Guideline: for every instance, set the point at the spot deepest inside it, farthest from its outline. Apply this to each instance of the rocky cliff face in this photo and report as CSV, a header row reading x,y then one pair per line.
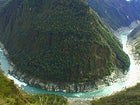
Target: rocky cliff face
x,y
134,42
60,41
135,34
116,13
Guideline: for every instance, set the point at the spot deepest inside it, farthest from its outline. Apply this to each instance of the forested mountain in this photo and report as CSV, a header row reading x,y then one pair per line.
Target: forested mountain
x,y
61,41
116,13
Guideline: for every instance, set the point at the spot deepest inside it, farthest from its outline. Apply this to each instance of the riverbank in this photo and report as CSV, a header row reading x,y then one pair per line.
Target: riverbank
x,y
103,90
116,76
130,96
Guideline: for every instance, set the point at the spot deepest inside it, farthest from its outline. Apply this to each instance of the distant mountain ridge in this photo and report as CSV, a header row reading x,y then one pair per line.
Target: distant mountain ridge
x,y
116,13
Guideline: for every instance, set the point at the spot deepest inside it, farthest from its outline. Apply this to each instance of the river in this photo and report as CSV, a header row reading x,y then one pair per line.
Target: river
x,y
131,78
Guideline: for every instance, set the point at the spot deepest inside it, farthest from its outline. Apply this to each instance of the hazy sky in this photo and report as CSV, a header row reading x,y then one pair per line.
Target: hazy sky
x,y
131,0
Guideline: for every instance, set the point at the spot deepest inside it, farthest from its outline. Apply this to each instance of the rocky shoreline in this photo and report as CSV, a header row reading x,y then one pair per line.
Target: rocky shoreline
x,y
67,87
132,50
109,80
116,76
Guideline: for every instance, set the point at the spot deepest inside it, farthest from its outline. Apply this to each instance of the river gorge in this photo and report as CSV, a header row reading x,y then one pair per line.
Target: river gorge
x,y
131,78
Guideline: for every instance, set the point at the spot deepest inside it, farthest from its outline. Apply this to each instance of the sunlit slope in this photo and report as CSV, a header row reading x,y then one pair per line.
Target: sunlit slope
x,y
59,41
10,95
129,97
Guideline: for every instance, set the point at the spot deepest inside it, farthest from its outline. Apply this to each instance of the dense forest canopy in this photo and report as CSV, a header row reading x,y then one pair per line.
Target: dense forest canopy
x,y
59,41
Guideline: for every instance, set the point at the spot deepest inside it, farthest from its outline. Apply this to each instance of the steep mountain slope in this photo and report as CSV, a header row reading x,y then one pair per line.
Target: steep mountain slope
x,y
59,41
130,96
134,41
10,95
134,34
116,13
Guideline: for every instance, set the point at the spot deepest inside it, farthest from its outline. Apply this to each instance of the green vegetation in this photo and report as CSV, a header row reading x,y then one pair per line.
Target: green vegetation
x,y
60,41
10,95
129,97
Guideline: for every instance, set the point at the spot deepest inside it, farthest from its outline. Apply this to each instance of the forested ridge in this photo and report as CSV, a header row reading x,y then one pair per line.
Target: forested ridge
x,y
59,41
